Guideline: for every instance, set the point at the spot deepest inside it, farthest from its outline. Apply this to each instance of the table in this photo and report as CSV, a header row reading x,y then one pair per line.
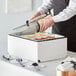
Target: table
x,y
7,69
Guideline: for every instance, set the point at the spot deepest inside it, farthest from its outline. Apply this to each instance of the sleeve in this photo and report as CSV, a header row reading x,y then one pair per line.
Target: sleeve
x,y
67,13
47,4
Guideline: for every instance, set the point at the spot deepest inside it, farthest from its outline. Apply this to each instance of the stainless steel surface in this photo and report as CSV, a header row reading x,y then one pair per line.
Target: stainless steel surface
x,y
26,30
48,68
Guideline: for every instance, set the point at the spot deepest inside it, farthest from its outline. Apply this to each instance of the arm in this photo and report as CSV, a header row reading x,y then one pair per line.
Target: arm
x,y
67,13
47,4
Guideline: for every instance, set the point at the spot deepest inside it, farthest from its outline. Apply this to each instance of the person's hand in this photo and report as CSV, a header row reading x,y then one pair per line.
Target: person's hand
x,y
36,15
45,23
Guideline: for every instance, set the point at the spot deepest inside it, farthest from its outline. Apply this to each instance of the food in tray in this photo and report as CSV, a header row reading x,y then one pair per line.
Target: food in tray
x,y
45,38
34,35
39,36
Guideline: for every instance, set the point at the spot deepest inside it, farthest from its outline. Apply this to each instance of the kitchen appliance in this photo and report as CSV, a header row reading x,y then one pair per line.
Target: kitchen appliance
x,y
31,27
67,67
38,50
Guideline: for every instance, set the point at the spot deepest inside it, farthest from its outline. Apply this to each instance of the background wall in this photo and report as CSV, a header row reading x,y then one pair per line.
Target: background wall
x,y
9,21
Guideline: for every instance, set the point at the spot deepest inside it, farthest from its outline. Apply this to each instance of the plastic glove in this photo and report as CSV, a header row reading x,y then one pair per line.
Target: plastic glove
x,y
45,23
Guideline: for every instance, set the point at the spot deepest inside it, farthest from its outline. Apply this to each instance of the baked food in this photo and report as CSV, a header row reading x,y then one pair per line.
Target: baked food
x,y
34,35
